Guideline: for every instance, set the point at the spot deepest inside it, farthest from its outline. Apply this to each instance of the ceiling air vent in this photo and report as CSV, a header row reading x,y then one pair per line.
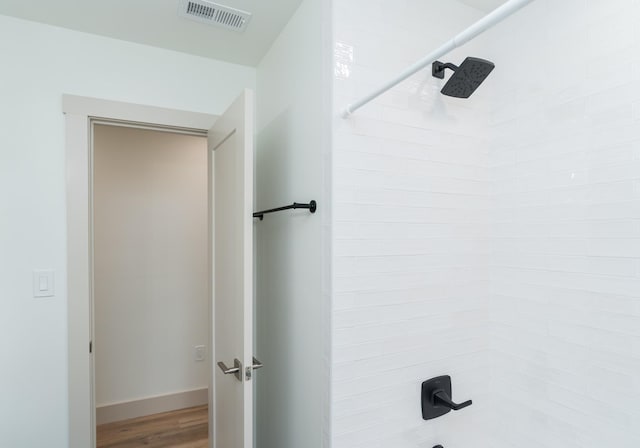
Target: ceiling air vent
x,y
215,14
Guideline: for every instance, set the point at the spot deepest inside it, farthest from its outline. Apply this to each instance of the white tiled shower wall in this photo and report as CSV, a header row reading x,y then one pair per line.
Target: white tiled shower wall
x,y
565,229
411,210
496,239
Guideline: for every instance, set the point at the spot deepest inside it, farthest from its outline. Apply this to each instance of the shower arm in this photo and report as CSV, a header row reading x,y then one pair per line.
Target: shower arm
x,y
437,68
491,19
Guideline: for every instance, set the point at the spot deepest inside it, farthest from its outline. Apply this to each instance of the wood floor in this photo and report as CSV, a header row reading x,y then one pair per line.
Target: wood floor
x,y
185,428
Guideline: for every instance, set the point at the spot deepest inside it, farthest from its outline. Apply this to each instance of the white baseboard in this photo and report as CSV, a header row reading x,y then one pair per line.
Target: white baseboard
x,y
153,405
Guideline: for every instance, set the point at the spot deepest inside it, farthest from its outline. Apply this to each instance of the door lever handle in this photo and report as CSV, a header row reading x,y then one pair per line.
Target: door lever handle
x,y
227,370
235,370
257,364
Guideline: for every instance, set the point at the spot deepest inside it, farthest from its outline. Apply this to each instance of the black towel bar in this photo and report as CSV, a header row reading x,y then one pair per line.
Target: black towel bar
x,y
312,206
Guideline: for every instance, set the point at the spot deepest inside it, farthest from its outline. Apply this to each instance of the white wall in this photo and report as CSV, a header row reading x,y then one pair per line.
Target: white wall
x,y
540,171
151,275
39,64
411,208
565,169
291,400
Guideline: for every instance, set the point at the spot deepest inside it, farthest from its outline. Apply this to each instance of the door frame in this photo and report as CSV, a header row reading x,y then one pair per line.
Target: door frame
x,y
80,112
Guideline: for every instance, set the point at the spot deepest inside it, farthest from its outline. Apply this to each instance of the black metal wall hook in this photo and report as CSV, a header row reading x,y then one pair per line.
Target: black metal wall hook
x,y
311,206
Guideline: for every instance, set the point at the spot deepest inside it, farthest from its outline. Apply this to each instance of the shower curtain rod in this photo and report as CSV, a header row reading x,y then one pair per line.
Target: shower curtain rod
x,y
491,19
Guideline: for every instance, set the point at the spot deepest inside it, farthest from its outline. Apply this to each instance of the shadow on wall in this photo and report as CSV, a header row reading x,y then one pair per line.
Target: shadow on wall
x,y
287,287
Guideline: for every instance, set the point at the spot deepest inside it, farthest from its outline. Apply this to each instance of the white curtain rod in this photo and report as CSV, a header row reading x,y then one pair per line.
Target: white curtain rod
x,y
494,17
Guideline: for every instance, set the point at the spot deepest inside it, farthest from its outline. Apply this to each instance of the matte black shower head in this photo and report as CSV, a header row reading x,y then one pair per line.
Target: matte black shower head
x,y
466,78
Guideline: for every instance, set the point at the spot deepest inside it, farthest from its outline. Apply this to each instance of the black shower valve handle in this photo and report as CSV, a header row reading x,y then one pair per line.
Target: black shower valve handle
x,y
435,398
441,398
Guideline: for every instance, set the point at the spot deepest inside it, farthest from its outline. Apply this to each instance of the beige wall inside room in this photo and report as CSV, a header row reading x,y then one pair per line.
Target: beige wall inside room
x,y
151,267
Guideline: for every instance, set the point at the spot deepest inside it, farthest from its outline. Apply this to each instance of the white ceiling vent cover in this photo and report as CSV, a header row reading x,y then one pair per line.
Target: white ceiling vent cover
x,y
214,14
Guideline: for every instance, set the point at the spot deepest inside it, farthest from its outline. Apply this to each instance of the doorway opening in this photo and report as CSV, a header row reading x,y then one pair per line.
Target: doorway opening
x,y
230,140
151,271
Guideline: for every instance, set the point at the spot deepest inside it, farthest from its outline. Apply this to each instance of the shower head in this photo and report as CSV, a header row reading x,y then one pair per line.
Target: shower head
x,y
466,78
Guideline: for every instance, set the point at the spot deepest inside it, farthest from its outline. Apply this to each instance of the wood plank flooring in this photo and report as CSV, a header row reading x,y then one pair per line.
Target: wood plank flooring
x,y
185,428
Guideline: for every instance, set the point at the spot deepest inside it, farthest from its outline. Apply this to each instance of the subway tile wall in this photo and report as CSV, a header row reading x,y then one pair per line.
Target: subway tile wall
x,y
411,237
565,225
496,239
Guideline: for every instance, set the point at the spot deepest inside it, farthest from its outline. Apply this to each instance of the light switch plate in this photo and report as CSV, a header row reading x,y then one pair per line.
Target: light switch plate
x,y
198,353
43,283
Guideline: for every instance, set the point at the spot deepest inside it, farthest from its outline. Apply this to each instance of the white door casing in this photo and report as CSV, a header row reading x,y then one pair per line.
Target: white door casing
x,y
231,146
78,114
232,415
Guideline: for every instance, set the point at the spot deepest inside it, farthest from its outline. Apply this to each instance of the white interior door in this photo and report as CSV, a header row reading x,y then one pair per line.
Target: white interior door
x,y
231,142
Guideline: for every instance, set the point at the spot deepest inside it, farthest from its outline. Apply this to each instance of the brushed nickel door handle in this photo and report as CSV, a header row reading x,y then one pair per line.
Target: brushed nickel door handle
x,y
257,364
235,370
